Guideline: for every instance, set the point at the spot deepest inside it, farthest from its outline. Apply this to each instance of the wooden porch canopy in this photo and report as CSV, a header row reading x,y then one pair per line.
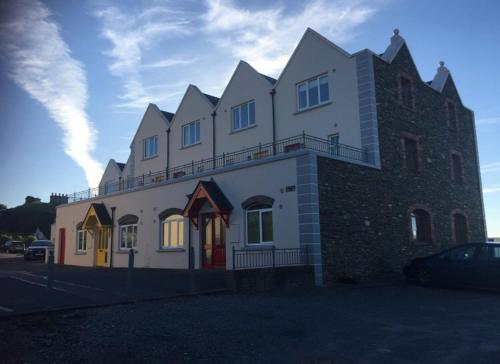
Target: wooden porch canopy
x,y
208,191
96,216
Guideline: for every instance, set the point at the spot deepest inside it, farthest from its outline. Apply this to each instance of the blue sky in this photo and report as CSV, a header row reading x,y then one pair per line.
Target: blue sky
x,y
76,76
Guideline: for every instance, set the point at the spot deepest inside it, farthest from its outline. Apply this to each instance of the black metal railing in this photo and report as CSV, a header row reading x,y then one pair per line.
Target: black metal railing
x,y
261,151
268,258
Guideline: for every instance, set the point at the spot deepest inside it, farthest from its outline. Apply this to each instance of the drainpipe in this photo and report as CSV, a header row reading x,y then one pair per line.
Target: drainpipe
x,y
273,92
213,138
112,235
168,154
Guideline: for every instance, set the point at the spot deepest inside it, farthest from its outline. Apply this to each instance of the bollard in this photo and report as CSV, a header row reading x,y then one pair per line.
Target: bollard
x,y
130,268
50,269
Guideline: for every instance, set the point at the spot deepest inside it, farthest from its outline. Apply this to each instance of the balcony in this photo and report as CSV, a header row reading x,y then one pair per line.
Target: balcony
x,y
224,160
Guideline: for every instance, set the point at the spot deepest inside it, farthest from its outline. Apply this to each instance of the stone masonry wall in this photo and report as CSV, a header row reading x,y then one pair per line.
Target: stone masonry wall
x,y
364,212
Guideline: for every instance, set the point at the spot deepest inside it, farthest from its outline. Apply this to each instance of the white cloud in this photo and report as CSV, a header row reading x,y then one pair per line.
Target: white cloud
x,y
491,167
265,38
130,35
488,121
40,62
491,189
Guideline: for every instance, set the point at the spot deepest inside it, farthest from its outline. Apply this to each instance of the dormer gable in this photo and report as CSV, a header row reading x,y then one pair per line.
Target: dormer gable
x,y
112,171
240,76
193,94
310,36
153,117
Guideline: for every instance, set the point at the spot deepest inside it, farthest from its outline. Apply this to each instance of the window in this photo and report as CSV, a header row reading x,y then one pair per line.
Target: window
x,y
128,236
81,244
460,228
243,115
406,92
421,228
456,167
334,144
172,232
191,133
452,114
313,92
150,147
411,154
260,224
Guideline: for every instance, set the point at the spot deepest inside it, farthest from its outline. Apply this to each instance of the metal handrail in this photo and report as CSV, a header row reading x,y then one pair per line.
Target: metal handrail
x,y
261,151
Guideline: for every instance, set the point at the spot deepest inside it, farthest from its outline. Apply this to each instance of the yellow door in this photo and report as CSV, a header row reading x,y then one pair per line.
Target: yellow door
x,y
102,248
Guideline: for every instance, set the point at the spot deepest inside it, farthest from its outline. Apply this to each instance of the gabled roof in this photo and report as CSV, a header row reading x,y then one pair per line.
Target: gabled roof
x,y
100,212
267,79
212,99
156,109
271,80
440,78
208,191
313,33
168,115
208,98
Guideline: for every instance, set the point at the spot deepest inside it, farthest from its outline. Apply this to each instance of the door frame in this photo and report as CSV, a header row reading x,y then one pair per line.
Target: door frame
x,y
62,245
202,230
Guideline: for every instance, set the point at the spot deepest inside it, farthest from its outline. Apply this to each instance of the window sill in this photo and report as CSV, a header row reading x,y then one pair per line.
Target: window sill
x,y
81,253
152,157
171,250
242,129
126,251
259,246
190,146
313,108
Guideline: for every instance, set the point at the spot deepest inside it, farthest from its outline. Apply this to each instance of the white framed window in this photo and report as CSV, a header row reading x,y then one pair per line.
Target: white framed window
x,y
172,232
128,236
259,225
313,92
81,241
191,133
150,147
334,139
243,116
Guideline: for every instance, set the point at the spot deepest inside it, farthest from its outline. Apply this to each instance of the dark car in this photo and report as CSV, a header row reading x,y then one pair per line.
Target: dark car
x,y
37,249
468,265
14,246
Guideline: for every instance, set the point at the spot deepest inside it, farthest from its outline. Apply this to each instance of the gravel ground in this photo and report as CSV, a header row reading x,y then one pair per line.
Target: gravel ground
x,y
349,324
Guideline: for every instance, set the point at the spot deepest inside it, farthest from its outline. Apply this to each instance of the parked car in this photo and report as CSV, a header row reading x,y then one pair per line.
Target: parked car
x,y
468,265
37,249
14,246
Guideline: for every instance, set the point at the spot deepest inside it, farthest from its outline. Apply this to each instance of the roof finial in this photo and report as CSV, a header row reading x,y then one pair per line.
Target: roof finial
x,y
396,31
441,63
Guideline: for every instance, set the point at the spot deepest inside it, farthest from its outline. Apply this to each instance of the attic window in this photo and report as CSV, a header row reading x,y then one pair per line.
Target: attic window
x,y
406,92
452,114
150,147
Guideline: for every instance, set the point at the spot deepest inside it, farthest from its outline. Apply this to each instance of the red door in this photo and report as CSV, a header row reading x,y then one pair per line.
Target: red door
x,y
62,245
213,242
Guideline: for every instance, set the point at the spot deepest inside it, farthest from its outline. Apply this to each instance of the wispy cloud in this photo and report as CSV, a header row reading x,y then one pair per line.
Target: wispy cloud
x,y
265,38
130,34
491,167
488,121
40,62
170,62
491,189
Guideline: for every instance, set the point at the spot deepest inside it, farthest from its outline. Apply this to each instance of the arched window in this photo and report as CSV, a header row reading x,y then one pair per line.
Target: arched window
x,y
171,229
421,226
128,231
460,231
81,238
259,220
